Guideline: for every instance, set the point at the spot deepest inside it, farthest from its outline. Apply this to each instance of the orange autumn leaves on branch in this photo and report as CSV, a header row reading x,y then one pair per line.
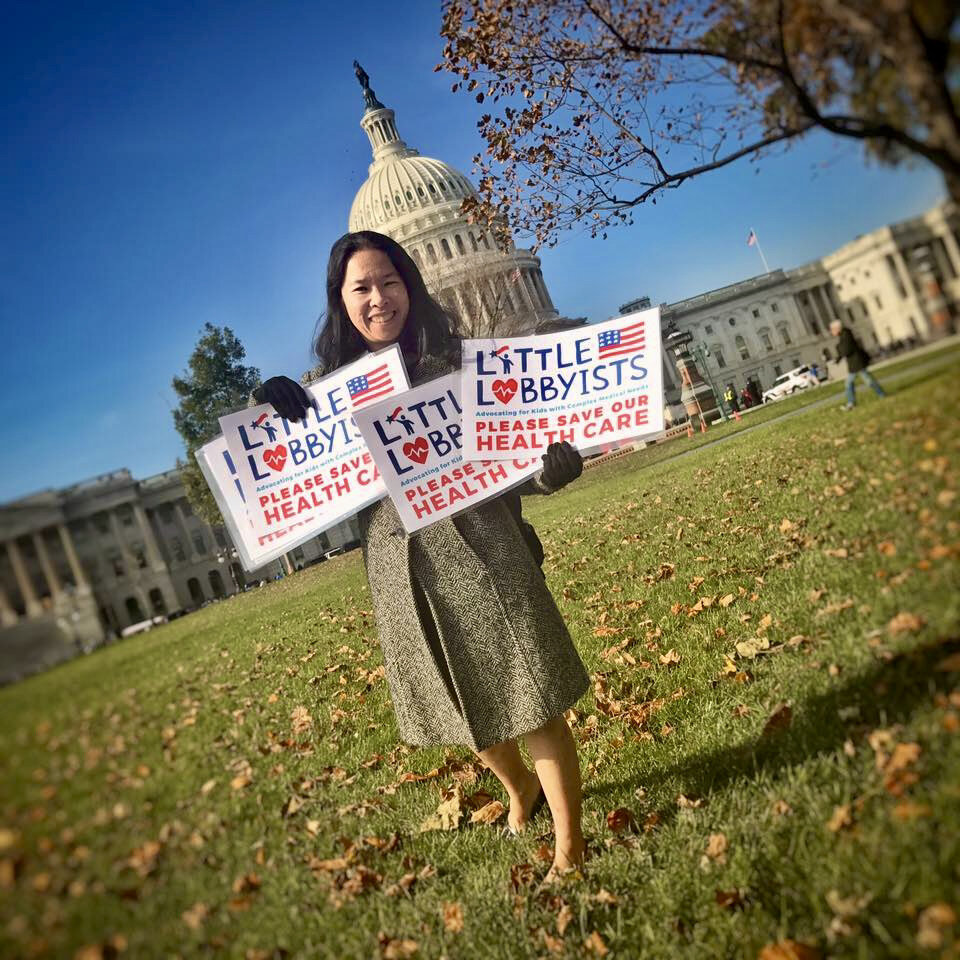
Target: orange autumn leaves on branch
x,y
597,106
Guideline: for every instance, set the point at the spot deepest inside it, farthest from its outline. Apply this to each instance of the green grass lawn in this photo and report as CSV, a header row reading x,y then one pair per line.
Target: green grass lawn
x,y
771,749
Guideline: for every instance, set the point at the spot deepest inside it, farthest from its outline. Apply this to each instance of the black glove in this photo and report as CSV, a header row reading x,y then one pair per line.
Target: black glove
x,y
286,396
561,464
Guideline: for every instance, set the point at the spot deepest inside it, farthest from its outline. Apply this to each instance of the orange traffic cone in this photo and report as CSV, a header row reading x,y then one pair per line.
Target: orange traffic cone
x,y
736,415
703,425
689,429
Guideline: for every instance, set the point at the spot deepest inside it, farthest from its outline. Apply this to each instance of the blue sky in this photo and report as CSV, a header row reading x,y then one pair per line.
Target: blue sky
x,y
170,164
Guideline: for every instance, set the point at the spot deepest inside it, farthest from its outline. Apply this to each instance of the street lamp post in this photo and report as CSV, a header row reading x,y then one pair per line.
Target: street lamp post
x,y
698,352
225,555
692,383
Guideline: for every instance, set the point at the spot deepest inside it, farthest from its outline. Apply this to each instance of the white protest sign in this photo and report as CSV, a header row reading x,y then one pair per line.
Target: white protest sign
x,y
254,551
591,386
319,469
415,441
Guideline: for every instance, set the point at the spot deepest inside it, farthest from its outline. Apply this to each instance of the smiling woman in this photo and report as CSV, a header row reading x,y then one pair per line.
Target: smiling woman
x,y
375,298
474,647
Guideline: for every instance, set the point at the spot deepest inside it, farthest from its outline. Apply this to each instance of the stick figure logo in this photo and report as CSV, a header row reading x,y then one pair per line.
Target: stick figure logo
x,y
399,416
503,355
263,423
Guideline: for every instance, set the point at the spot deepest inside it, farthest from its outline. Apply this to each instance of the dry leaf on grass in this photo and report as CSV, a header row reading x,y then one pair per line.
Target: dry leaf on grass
x,y
448,813
905,622
595,945
931,924
399,949
715,852
840,819
489,813
453,917
195,916
789,950
670,659
779,719
620,820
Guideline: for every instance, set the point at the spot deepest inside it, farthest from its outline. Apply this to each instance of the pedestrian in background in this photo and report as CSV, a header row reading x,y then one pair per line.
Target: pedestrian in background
x,y
849,348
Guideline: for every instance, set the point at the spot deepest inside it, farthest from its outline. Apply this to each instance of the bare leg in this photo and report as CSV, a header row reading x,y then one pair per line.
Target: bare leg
x,y
554,755
518,779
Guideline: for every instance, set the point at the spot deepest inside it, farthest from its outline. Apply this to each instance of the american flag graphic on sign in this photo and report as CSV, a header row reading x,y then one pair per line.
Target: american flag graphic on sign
x,y
370,386
629,339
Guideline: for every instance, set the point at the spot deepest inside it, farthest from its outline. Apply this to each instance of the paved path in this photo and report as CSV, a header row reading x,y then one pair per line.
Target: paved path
x,y
930,366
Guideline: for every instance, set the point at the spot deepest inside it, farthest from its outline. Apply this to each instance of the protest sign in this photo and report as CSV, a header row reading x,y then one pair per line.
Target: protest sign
x,y
254,551
415,440
592,386
318,469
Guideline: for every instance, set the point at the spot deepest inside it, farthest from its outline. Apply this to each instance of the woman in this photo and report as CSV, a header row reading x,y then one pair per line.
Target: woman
x,y
475,650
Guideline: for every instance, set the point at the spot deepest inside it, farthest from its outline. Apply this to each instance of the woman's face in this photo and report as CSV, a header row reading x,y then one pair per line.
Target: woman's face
x,y
375,298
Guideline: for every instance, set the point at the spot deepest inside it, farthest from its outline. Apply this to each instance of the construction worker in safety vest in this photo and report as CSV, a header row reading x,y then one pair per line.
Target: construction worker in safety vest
x,y
730,397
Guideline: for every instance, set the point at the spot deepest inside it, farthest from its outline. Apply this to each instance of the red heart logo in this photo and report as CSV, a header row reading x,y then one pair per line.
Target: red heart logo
x,y
417,450
504,390
275,458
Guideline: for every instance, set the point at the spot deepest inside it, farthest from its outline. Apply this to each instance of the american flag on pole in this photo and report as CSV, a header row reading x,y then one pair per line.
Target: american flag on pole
x,y
370,386
515,276
751,238
629,339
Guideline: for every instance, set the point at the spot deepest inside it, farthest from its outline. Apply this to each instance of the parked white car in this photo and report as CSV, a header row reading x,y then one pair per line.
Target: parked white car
x,y
790,382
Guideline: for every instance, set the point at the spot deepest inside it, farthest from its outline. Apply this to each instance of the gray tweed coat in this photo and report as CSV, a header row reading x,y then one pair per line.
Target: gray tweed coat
x,y
474,647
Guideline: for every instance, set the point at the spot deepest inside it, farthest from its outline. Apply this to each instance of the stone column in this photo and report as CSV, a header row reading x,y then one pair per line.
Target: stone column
x,y
182,527
73,559
129,561
53,581
149,540
8,616
23,580
953,251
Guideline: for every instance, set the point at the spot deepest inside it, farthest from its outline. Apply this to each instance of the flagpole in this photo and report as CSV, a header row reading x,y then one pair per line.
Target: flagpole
x,y
756,240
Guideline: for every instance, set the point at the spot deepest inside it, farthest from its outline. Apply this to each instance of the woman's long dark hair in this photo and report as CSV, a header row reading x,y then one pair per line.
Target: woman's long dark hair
x,y
429,330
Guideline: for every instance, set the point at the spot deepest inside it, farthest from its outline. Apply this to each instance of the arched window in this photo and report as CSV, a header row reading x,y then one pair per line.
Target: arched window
x,y
416,256
473,242
717,352
157,603
431,253
765,339
785,334
742,347
445,247
196,591
216,583
458,241
134,610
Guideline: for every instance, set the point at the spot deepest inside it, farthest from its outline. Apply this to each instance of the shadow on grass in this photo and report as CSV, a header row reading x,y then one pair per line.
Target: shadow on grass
x,y
885,695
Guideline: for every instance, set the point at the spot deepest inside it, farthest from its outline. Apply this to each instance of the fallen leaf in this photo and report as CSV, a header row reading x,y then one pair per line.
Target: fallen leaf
x,y
788,950
670,659
594,943
840,818
195,916
489,813
748,649
453,917
905,622
391,949
716,850
839,552
726,600
780,719
564,918
931,924
729,899
448,813
620,819
300,720
906,810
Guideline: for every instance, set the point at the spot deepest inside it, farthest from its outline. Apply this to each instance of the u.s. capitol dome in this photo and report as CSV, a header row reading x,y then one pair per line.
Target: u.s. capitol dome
x,y
416,201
